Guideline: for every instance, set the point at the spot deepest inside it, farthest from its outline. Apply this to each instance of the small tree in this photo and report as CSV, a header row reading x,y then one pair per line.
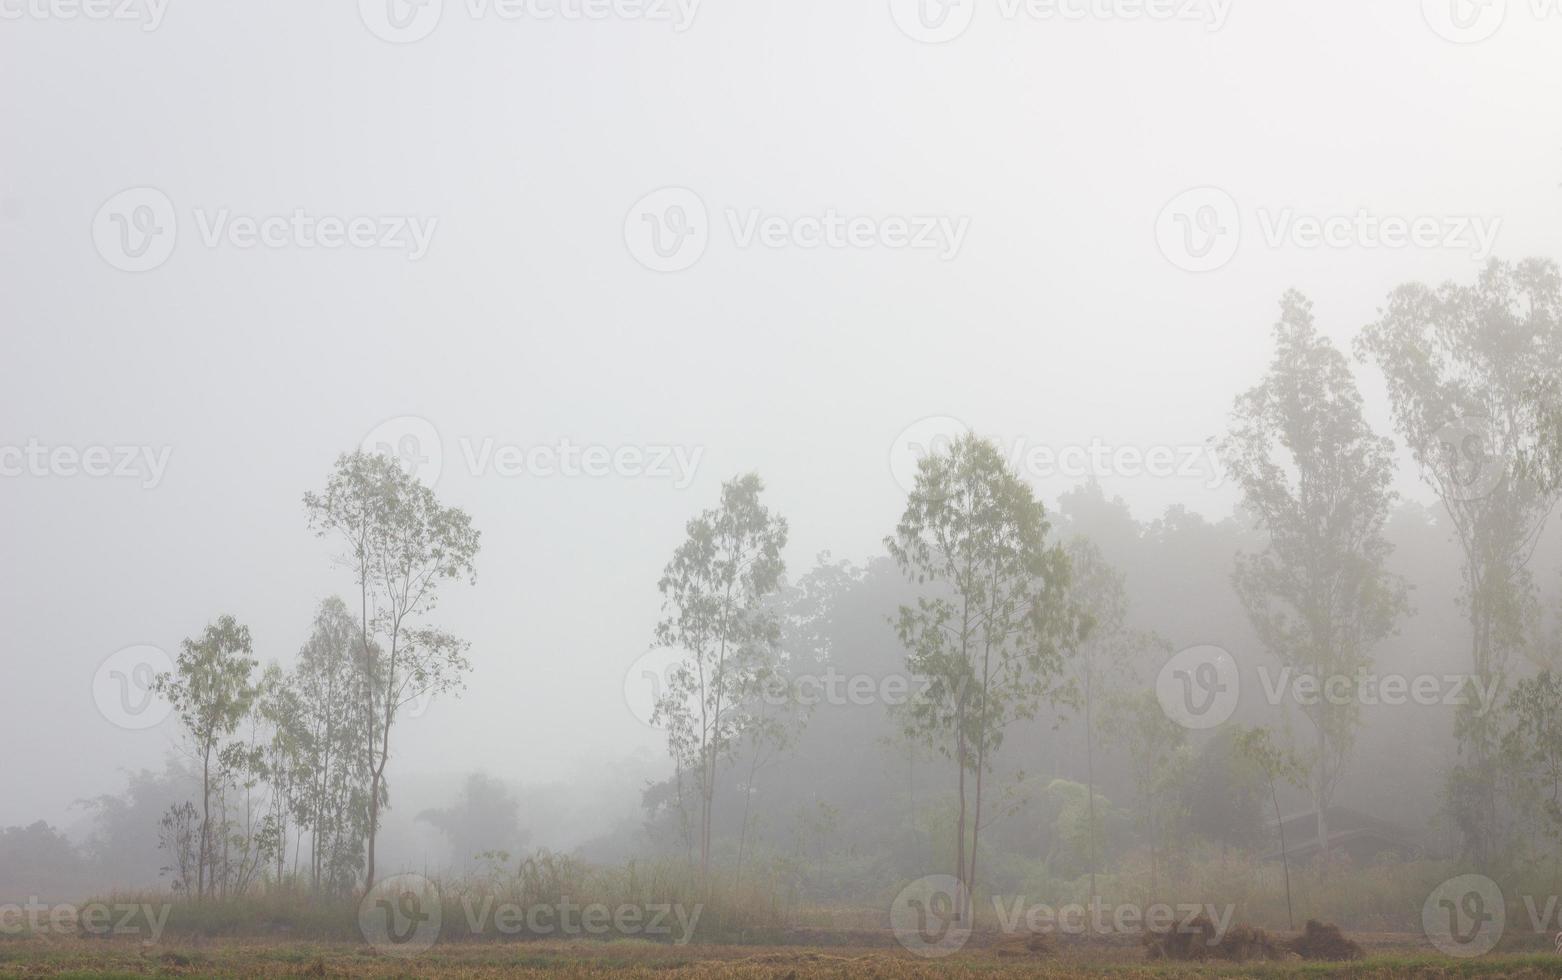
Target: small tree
x,y
332,802
1317,479
211,692
402,545
716,595
178,835
485,819
1097,654
1278,765
1532,748
1152,742
1463,364
986,633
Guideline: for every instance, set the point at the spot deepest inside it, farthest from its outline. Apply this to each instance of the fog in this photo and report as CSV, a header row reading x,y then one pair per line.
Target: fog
x,y
994,236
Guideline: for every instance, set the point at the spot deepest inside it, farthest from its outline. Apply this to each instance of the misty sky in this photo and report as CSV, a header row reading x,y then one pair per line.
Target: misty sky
x,y
523,148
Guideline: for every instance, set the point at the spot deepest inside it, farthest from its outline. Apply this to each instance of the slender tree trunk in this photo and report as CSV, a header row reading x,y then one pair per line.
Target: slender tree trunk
x,y
748,805
368,659
1090,791
1154,866
1285,867
1320,790
206,822
976,824
960,878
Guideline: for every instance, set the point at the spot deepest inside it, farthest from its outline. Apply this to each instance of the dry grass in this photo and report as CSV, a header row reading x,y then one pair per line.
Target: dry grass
x,y
631,960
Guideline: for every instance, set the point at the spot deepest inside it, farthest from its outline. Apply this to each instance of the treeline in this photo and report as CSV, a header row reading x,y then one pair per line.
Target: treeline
x,y
1029,751
290,765
1004,621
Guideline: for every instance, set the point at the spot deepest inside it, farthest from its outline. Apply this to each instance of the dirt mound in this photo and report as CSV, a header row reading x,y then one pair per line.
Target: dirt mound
x,y
1034,944
1199,939
788,958
1323,941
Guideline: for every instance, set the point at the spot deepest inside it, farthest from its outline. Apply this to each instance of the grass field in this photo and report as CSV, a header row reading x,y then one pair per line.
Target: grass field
x,y
1389,956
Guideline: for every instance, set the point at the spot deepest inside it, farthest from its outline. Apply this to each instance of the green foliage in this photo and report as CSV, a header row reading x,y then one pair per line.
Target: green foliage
x,y
1226,793
717,601
987,631
211,692
1532,749
1317,481
401,545
1464,365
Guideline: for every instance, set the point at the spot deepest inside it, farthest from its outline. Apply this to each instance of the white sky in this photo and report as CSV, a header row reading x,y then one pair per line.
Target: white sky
x,y
530,321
